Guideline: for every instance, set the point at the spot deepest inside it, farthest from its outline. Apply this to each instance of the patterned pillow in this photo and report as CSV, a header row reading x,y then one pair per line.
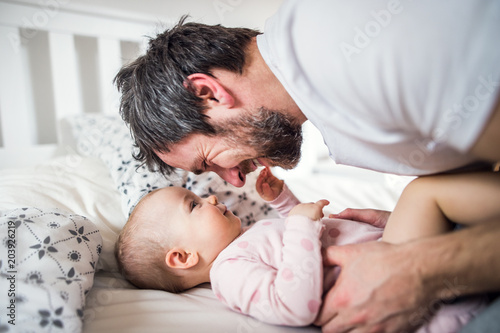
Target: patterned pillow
x,y
108,138
47,265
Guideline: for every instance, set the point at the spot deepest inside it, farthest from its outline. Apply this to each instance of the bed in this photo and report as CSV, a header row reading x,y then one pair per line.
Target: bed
x,y
68,181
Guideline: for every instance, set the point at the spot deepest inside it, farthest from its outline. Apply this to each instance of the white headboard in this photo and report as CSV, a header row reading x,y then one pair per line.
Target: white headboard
x,y
55,62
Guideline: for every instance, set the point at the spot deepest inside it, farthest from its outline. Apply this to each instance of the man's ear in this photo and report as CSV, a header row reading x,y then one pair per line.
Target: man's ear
x,y
179,258
209,89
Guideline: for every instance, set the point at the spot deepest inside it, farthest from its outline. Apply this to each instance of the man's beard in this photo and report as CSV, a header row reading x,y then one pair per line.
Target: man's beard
x,y
272,134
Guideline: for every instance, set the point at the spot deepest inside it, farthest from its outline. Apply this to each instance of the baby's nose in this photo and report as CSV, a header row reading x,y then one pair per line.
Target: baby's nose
x,y
213,200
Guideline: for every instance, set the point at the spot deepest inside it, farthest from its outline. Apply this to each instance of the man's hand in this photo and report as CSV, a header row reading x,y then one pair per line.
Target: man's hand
x,y
375,217
268,186
378,290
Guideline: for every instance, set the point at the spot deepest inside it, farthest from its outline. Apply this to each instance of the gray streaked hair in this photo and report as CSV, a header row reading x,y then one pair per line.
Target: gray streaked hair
x,y
157,101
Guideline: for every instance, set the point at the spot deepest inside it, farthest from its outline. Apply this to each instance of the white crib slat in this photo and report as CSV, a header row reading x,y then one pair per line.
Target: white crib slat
x,y
109,59
17,121
65,74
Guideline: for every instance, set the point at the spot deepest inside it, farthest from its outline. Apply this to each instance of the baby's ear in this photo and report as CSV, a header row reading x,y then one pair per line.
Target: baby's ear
x,y
181,259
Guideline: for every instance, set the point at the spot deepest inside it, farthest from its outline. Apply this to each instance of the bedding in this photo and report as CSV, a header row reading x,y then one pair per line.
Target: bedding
x,y
98,179
48,264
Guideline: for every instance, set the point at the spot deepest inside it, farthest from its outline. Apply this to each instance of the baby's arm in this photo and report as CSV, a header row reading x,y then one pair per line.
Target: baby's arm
x,y
275,192
289,294
268,186
429,204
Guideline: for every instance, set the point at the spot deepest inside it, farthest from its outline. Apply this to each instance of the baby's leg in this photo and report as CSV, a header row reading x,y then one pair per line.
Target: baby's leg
x,y
428,204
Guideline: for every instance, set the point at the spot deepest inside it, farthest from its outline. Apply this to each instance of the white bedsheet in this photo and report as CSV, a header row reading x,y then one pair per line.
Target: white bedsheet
x,y
83,186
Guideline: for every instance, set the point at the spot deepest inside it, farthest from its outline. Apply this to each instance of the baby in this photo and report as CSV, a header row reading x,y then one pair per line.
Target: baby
x,y
273,270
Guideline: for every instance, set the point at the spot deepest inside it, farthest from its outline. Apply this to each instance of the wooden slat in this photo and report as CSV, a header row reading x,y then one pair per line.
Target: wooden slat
x,y
17,123
65,75
109,60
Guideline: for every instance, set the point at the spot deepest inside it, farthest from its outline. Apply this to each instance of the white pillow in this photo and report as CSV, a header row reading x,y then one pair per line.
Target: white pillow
x,y
72,183
46,268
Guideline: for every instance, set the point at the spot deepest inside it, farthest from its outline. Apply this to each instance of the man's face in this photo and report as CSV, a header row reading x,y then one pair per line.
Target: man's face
x,y
241,145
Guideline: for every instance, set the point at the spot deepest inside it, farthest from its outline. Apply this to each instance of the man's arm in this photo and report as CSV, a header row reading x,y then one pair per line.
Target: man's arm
x,y
408,280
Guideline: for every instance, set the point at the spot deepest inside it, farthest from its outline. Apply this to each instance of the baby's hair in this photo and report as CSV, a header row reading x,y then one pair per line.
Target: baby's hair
x,y
140,252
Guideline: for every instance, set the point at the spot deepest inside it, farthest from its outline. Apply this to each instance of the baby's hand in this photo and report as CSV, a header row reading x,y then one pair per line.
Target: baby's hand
x,y
314,211
268,186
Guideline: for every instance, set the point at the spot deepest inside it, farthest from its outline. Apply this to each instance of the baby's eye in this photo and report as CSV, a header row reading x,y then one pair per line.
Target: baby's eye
x,y
193,204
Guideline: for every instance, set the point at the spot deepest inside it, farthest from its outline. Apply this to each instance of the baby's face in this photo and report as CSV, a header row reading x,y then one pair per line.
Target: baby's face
x,y
199,224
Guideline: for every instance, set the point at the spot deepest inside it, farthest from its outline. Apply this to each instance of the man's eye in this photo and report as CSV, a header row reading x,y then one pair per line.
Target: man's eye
x,y
204,167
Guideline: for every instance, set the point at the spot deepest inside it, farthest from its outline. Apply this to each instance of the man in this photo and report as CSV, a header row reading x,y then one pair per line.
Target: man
x,y
406,87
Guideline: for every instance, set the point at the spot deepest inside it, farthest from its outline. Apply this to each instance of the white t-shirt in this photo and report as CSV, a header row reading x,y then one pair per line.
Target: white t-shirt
x,y
403,87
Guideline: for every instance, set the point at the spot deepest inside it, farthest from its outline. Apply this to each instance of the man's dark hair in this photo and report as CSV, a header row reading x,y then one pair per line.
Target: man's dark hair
x,y
155,102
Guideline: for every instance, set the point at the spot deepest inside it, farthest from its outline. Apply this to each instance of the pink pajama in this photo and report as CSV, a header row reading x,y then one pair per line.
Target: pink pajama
x,y
274,272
